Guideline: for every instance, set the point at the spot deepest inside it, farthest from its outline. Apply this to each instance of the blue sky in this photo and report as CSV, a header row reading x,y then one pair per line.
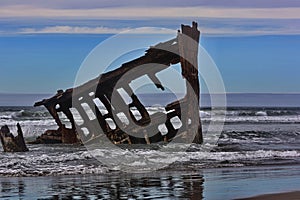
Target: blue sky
x,y
255,44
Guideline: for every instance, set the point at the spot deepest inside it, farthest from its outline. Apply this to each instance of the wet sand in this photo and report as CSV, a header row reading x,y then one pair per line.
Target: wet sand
x,y
277,196
214,183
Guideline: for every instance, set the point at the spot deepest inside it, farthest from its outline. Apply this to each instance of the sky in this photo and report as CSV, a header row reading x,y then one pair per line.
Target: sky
x,y
254,44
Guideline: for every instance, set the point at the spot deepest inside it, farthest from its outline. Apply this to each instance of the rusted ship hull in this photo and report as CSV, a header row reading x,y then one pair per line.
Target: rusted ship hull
x,y
183,49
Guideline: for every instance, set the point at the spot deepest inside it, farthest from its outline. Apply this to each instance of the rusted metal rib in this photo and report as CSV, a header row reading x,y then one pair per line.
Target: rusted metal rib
x,y
184,50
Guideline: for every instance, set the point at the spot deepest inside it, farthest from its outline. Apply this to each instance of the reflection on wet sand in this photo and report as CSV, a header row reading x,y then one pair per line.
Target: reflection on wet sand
x,y
217,183
119,186
16,187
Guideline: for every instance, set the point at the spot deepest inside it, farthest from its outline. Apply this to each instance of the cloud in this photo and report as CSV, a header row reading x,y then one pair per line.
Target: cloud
x,y
71,30
92,30
215,31
233,31
153,3
153,12
212,20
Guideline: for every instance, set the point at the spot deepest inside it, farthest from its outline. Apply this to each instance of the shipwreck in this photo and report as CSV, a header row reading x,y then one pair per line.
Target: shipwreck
x,y
11,143
182,50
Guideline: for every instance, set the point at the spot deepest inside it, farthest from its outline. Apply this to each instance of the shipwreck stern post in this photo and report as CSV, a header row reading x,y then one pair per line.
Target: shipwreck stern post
x,y
188,49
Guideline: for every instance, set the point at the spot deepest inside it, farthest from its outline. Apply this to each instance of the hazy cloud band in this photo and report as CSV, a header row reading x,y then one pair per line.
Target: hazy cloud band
x,y
157,12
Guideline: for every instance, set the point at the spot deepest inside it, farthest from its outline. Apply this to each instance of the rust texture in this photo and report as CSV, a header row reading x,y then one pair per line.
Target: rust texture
x,y
178,50
10,143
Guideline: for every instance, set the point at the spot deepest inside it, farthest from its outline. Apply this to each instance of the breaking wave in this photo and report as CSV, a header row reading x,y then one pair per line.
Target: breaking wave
x,y
30,115
251,136
62,160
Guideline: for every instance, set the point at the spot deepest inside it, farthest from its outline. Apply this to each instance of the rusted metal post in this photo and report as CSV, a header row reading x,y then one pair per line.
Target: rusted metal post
x,y
188,41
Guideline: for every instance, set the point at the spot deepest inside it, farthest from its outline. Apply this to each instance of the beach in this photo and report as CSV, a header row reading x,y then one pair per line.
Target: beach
x,y
140,99
226,183
287,195
257,153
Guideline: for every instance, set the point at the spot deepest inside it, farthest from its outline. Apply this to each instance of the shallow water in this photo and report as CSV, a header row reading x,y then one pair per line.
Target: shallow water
x,y
251,137
258,152
226,183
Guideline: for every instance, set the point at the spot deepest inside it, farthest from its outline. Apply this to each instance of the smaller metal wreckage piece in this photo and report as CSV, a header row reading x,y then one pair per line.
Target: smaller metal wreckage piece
x,y
10,143
183,50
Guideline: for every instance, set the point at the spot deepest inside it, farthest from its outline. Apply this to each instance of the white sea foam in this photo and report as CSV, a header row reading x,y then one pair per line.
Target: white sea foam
x,y
204,114
261,113
239,156
59,160
64,159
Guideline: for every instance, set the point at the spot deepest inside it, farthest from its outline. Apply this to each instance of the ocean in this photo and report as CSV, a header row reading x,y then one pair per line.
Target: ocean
x,y
260,142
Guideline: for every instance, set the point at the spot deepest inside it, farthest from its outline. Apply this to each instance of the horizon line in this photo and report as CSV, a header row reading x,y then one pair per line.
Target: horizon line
x,y
8,93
